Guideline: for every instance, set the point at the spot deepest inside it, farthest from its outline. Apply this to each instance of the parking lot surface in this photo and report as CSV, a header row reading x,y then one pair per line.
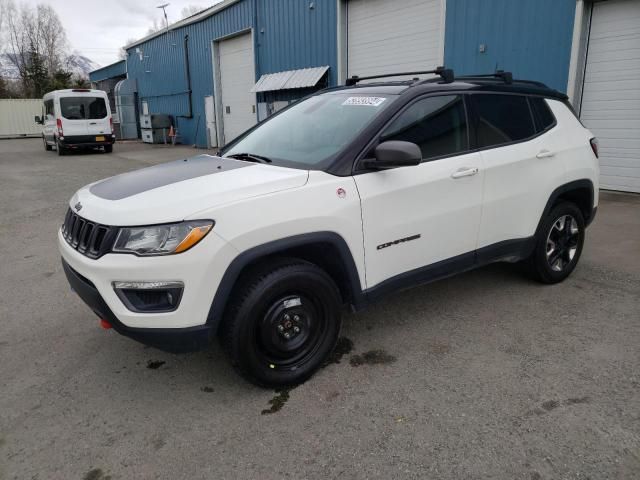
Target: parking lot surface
x,y
483,375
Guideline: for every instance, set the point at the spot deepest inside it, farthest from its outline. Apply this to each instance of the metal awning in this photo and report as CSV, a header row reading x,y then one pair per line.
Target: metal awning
x,y
305,77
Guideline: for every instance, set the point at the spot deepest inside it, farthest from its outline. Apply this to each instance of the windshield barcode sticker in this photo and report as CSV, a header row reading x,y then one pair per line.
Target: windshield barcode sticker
x,y
367,101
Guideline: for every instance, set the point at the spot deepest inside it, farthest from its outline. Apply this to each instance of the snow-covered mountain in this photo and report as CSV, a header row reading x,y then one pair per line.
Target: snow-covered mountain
x,y
78,64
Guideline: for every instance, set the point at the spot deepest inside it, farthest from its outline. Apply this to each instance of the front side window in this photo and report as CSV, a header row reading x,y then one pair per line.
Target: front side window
x,y
502,119
437,125
313,130
83,108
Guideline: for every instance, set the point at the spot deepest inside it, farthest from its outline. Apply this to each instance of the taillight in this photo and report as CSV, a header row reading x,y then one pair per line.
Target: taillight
x,y
111,123
594,146
59,124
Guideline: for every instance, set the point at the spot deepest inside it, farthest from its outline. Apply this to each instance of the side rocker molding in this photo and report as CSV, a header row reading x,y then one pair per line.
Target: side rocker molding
x,y
246,258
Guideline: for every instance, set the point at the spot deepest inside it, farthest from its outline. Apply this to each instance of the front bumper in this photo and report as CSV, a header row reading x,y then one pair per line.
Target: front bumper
x,y
175,340
187,328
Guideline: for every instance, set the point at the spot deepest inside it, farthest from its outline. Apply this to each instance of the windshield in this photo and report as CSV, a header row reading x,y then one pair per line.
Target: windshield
x,y
83,108
311,131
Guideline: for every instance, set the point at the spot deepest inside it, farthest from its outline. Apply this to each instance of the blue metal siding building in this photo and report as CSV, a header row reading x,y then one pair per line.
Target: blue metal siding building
x,y
117,69
287,34
531,38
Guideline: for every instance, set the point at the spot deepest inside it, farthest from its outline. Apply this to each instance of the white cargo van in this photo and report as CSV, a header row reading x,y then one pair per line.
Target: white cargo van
x,y
75,119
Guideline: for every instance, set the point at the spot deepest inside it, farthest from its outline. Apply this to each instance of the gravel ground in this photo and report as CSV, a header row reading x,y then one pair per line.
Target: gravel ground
x,y
484,375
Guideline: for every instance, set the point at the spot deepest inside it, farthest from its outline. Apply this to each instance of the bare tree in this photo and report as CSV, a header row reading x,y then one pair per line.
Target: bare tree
x,y
190,10
122,54
36,43
52,37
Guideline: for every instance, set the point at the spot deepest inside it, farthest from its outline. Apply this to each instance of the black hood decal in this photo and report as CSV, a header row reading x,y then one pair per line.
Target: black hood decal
x,y
131,183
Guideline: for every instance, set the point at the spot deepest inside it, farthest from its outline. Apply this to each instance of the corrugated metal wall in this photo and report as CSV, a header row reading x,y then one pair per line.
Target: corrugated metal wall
x,y
290,35
17,117
110,71
531,38
296,34
161,73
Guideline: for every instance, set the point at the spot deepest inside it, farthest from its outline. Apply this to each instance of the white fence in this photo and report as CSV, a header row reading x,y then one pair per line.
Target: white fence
x,y
16,117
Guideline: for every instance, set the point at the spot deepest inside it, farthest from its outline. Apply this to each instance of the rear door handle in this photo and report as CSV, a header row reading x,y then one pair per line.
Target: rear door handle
x,y
464,172
545,154
93,123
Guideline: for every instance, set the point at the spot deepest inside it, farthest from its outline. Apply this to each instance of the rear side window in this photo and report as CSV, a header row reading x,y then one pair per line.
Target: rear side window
x,y
502,119
542,113
437,125
83,108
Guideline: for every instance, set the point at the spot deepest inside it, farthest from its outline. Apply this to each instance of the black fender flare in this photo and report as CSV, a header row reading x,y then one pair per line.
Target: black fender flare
x,y
247,257
567,187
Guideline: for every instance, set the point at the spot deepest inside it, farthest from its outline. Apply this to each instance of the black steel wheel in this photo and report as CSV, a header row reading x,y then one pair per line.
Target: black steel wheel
x,y
559,243
282,323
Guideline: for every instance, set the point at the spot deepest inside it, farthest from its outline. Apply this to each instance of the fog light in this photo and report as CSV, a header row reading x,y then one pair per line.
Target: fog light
x,y
149,297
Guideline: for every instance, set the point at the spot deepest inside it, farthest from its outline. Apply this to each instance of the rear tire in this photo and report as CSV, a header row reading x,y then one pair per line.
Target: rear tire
x,y
108,148
47,147
559,243
282,323
60,149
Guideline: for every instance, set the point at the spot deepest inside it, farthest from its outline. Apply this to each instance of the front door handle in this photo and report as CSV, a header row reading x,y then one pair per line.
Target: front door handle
x,y
545,154
464,172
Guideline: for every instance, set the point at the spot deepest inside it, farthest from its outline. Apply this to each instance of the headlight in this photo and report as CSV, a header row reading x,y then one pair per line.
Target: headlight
x,y
161,239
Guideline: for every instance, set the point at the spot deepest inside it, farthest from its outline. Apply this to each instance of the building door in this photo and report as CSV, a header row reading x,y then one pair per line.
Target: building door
x,y
611,93
398,36
237,77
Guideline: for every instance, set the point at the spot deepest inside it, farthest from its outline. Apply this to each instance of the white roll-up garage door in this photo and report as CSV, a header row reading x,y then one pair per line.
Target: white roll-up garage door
x,y
237,76
394,36
611,94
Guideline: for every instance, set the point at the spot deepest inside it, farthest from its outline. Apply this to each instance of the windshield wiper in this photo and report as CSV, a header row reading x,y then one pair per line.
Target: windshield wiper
x,y
250,157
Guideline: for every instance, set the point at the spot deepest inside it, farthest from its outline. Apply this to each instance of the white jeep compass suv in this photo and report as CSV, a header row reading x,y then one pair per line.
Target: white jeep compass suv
x,y
344,196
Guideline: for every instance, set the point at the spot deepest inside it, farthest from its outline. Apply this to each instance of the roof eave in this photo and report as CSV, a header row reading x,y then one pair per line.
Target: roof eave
x,y
198,17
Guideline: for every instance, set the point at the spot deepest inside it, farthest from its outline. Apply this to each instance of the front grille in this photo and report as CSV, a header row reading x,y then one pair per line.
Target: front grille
x,y
89,238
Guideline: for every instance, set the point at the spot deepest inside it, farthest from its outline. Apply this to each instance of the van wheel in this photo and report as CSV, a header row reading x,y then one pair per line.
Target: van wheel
x,y
60,148
282,323
47,147
559,244
108,148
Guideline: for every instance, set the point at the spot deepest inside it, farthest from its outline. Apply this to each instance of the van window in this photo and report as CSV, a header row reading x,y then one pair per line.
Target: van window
x,y
437,125
502,119
83,108
48,108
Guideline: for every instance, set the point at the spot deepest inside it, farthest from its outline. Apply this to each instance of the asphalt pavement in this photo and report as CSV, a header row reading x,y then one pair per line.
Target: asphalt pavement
x,y
483,375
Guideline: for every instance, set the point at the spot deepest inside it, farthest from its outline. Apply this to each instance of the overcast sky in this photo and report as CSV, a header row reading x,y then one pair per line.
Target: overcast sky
x,y
98,30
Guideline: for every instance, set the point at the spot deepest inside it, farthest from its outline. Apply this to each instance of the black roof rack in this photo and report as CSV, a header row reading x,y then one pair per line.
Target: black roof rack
x,y
507,77
445,73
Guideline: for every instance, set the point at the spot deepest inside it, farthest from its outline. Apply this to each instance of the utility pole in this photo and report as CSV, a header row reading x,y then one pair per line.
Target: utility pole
x,y
166,21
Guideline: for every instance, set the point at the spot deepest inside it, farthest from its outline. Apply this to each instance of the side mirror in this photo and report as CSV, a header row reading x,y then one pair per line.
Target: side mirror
x,y
38,120
395,153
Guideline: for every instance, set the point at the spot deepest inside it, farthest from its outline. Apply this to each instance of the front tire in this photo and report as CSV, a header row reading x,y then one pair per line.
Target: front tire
x,y
282,323
108,148
559,243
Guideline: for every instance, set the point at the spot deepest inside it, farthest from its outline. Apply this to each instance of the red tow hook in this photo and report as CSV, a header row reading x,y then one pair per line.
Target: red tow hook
x,y
105,324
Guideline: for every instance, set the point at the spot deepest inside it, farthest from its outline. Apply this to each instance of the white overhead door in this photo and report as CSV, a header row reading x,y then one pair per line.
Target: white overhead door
x,y
237,77
611,94
394,36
